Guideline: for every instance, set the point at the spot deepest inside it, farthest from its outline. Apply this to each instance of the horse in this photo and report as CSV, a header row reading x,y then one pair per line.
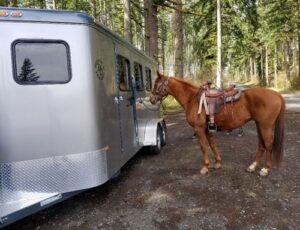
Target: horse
x,y
266,107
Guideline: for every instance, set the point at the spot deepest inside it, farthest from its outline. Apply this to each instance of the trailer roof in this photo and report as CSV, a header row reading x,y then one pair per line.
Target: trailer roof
x,y
43,15
14,14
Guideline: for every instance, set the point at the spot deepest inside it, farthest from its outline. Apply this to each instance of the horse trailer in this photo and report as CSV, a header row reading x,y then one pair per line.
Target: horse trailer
x,y
74,107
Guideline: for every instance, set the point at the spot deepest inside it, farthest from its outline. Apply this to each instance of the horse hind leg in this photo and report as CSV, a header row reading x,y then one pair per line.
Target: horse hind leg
x,y
212,143
259,153
267,137
258,157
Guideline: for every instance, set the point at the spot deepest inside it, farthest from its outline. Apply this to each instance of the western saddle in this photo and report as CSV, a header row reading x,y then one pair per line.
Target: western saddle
x,y
214,99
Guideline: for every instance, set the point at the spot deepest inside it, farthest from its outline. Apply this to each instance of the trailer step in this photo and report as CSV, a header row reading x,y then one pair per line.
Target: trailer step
x,y
27,203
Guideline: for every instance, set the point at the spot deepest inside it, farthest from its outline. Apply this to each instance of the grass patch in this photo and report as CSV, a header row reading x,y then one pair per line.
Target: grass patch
x,y
170,106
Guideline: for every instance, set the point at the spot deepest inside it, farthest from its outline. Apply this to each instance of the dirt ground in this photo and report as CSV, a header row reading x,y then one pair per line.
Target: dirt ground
x,y
166,191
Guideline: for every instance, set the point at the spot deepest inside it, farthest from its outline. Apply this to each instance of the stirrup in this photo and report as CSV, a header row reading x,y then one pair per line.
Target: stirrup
x,y
211,127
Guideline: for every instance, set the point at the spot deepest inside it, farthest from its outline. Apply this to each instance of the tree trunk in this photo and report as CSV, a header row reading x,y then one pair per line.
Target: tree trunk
x,y
4,2
94,9
151,29
42,4
287,61
275,67
76,3
163,50
267,68
251,69
294,56
178,41
63,4
12,3
261,75
255,68
219,45
50,4
298,35
105,20
127,21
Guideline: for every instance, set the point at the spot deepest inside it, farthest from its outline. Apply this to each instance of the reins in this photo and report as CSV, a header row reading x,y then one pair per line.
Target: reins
x,y
162,87
161,92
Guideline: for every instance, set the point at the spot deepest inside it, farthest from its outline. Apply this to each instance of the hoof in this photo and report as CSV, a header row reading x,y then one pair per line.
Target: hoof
x,y
264,172
204,171
217,165
252,167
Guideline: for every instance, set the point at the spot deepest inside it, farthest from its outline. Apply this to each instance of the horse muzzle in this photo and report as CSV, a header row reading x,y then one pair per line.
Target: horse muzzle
x,y
153,99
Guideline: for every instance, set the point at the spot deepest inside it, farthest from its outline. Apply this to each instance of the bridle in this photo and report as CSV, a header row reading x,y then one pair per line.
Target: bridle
x,y
161,90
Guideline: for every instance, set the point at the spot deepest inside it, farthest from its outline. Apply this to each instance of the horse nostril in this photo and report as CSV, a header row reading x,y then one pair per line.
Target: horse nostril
x,y
152,99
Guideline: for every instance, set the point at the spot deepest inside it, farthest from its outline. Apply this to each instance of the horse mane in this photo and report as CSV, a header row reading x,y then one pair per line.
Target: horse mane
x,y
186,83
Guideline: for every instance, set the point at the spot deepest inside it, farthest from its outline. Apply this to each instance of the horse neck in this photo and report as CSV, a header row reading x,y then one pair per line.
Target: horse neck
x,y
182,91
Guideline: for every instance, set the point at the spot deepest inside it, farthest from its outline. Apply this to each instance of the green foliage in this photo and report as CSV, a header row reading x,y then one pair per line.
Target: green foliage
x,y
251,29
239,24
169,105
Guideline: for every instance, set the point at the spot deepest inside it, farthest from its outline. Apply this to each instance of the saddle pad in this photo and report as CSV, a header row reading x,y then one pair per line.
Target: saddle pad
x,y
235,97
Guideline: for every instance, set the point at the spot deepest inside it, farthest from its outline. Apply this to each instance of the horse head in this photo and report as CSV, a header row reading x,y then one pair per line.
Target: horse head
x,y
160,88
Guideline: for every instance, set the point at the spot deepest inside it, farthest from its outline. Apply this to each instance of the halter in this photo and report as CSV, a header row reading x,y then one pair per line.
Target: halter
x,y
161,91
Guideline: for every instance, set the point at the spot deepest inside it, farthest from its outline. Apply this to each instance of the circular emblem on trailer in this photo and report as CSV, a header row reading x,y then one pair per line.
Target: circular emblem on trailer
x,y
99,69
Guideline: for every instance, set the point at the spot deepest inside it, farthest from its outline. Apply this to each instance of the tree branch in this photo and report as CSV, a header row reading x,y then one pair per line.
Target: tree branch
x,y
186,11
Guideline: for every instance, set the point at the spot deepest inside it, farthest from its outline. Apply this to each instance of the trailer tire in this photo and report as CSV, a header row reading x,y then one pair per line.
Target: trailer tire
x,y
164,134
155,149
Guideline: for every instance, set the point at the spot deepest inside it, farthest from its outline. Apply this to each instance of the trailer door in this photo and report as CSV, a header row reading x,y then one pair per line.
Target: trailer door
x,y
127,107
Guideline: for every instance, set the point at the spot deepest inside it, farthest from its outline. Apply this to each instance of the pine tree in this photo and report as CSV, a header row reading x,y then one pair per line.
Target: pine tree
x,y
127,21
151,28
179,43
28,73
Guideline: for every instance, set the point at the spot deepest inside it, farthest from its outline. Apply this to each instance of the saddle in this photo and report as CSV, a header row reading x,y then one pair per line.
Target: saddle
x,y
215,98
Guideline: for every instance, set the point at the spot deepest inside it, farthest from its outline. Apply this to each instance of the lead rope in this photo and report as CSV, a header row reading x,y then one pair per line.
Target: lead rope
x,y
147,107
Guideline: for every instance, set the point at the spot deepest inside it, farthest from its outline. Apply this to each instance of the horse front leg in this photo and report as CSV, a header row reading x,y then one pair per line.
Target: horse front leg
x,y
204,148
212,143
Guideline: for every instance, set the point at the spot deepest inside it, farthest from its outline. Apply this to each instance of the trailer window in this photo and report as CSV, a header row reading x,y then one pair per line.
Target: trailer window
x,y
123,68
148,79
138,76
41,62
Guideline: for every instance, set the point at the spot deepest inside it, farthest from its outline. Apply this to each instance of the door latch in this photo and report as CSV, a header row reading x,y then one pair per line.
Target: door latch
x,y
117,99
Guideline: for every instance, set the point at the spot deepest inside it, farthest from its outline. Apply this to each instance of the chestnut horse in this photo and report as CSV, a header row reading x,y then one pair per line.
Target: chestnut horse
x,y
264,106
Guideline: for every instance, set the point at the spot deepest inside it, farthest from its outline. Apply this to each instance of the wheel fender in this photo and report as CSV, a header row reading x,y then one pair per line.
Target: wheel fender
x,y
151,131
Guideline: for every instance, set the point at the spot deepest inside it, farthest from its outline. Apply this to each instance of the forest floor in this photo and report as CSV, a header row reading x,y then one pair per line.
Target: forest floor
x,y
166,191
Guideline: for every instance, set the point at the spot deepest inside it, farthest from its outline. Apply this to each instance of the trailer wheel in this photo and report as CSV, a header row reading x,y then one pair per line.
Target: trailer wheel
x,y
155,149
164,134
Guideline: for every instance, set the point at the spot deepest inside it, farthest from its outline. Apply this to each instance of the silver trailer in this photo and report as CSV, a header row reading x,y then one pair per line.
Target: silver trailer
x,y
74,108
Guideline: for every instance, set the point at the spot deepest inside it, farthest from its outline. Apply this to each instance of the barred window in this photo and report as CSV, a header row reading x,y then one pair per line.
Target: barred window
x,y
138,76
123,68
148,79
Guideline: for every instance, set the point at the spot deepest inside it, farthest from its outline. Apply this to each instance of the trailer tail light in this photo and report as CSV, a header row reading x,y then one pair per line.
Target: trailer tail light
x,y
16,14
3,13
106,148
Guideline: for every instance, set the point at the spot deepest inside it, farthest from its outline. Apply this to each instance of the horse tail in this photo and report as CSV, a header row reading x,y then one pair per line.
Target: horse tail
x,y
278,141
